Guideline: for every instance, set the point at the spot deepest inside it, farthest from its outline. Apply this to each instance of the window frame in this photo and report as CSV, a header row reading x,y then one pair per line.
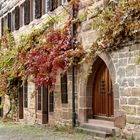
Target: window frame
x,y
9,24
2,26
26,12
51,102
38,12
25,94
39,98
64,89
17,17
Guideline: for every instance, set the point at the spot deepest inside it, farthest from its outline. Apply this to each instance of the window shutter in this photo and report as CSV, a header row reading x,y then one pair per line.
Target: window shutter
x,y
27,12
51,5
59,2
9,22
17,18
51,102
38,8
55,4
39,98
2,26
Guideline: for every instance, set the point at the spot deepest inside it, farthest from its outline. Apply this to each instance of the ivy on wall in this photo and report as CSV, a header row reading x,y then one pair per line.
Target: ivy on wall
x,y
48,49
40,54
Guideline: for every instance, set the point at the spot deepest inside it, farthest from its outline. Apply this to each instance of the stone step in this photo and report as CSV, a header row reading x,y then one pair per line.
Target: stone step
x,y
96,133
100,127
103,122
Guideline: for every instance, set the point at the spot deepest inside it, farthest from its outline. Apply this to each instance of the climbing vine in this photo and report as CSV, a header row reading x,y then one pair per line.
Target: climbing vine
x,y
47,50
118,24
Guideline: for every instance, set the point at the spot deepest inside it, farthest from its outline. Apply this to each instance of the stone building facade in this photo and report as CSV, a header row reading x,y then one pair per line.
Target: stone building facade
x,y
120,67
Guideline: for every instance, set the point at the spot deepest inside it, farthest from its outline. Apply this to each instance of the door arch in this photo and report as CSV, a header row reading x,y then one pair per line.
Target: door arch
x,y
103,97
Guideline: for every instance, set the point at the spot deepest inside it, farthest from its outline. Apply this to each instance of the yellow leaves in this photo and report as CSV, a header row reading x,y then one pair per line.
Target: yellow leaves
x,y
72,2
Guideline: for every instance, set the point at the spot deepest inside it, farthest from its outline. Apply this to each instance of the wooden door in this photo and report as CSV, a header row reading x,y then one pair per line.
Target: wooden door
x,y
103,93
20,99
42,105
45,105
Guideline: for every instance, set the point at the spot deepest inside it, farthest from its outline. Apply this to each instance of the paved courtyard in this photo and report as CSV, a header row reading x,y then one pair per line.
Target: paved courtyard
x,y
11,131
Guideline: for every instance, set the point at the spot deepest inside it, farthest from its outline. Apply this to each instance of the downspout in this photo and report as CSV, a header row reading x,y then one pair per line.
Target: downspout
x,y
73,71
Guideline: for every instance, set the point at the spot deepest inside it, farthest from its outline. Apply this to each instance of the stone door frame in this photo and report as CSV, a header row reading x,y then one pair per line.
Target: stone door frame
x,y
86,91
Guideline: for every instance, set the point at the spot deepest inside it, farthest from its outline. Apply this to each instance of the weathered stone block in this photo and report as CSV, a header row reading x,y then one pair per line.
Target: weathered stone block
x,y
136,92
125,91
131,70
120,121
82,101
138,70
137,82
121,72
116,90
86,26
92,36
133,119
133,101
122,62
131,60
129,109
124,100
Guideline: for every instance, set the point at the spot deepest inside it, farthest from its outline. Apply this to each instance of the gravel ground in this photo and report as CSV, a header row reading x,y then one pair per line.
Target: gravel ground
x,y
11,131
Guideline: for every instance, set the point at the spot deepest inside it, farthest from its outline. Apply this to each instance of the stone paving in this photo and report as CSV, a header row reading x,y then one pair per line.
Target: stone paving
x,y
10,131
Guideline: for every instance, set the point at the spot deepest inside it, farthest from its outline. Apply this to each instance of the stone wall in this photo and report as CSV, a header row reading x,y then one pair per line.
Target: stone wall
x,y
124,70
62,113
128,79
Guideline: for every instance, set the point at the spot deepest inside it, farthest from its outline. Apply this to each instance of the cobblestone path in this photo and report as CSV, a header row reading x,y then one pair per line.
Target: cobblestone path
x,y
10,131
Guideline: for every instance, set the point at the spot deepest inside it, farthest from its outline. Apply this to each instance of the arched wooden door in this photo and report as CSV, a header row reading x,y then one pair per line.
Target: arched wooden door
x,y
103,93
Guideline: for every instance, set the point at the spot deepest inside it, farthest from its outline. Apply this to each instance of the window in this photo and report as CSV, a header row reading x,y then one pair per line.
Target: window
x,y
43,7
13,21
21,15
39,98
25,92
9,22
38,8
27,12
17,18
2,26
64,1
53,4
64,94
51,102
31,10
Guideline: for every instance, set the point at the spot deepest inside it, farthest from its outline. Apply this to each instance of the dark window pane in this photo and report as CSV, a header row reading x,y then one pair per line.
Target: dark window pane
x,y
53,4
38,8
64,95
9,22
17,18
25,91
51,102
39,99
2,26
27,12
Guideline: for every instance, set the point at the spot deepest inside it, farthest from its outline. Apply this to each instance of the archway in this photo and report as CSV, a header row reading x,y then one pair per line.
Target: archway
x,y
85,109
103,97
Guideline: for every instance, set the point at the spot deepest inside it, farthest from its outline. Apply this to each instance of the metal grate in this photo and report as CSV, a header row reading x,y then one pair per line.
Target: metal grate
x,y
102,87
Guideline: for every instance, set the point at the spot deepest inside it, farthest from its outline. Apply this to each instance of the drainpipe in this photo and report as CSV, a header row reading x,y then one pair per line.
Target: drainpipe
x,y
73,72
